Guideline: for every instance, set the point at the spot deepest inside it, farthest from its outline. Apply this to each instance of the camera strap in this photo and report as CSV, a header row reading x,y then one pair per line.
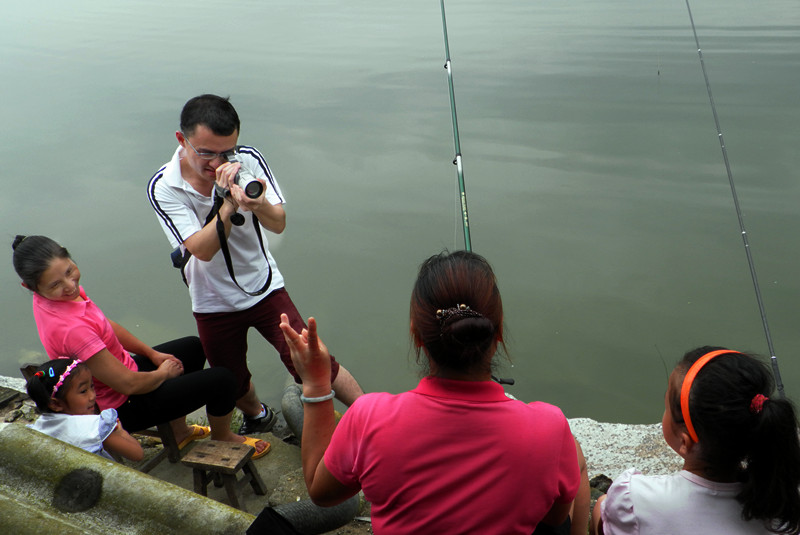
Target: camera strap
x,y
181,261
223,245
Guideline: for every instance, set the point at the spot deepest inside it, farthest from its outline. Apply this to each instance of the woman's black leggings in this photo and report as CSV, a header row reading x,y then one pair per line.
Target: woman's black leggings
x,y
177,397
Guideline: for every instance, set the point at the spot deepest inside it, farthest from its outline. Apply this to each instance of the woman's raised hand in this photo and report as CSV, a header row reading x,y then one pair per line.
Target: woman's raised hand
x,y
310,357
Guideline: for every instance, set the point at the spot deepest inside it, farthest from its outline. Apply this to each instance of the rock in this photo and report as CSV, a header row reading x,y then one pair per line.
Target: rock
x,y
78,490
600,483
291,487
611,448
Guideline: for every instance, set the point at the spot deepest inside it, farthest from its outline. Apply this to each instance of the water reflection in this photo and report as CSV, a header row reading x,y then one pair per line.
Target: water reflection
x,y
595,183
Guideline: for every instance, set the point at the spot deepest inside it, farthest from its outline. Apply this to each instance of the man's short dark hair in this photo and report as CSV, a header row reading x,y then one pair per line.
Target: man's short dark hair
x,y
211,111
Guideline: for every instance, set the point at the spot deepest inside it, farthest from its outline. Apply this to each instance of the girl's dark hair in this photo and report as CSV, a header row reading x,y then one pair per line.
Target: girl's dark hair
x,y
761,446
40,385
457,340
32,257
212,111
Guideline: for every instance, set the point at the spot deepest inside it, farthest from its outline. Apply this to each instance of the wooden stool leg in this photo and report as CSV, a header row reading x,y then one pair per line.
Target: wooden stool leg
x,y
255,479
230,489
169,442
200,482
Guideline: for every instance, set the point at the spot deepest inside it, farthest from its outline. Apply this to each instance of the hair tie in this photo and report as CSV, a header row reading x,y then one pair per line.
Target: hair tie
x,y
63,376
687,386
40,373
458,311
462,311
757,403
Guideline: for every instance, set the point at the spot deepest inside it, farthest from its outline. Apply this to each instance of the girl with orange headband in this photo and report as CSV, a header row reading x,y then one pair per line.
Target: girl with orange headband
x,y
741,469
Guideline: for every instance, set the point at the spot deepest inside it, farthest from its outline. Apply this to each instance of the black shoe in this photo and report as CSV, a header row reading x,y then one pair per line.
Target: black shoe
x,y
259,425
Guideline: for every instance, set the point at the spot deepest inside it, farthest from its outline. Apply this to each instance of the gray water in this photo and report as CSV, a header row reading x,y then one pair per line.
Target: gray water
x,y
595,180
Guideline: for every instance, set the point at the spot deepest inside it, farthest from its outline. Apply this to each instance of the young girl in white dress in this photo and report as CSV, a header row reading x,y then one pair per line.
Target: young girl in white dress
x,y
739,442
63,391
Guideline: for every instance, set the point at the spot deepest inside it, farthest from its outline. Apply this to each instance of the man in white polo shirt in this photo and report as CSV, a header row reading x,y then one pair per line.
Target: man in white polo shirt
x,y
242,287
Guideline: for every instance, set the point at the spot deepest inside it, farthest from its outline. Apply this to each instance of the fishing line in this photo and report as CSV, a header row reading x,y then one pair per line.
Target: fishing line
x,y
773,357
457,160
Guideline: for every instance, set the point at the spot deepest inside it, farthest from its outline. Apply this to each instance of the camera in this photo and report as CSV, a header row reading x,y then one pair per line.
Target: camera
x,y
244,179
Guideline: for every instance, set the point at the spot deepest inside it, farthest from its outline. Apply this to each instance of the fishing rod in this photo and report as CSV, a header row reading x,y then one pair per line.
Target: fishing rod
x,y
773,357
457,160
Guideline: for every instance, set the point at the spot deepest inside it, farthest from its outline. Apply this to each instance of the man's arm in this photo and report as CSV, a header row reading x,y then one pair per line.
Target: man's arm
x,y
271,216
204,243
268,207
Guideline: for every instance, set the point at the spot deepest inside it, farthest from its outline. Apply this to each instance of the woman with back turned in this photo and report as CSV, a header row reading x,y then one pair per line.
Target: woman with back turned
x,y
454,455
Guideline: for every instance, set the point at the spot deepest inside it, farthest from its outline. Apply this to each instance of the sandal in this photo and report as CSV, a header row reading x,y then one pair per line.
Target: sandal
x,y
252,441
198,432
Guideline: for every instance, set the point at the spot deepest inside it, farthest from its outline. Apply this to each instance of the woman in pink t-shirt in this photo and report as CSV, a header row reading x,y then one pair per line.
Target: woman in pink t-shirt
x,y
456,454
146,385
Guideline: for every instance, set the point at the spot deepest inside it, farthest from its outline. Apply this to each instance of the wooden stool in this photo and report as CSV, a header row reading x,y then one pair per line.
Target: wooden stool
x,y
170,446
220,461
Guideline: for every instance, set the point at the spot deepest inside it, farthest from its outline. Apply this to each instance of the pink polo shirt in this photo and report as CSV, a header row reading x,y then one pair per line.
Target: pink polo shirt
x,y
80,330
455,457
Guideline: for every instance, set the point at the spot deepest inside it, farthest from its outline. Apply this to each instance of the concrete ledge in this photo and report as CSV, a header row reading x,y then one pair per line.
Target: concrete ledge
x,y
610,448
33,464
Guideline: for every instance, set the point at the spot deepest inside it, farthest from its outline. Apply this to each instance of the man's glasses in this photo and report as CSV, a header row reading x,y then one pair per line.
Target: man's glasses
x,y
208,155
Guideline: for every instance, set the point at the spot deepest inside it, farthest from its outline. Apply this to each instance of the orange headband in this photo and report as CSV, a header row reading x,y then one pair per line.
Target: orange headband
x,y
687,386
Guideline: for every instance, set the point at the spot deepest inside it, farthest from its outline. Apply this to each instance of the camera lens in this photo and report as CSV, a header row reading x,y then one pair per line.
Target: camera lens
x,y
253,189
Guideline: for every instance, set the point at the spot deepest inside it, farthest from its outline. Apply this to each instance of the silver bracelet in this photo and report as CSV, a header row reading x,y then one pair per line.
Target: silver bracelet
x,y
319,399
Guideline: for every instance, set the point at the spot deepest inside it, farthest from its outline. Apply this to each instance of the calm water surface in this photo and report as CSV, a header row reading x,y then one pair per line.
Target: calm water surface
x,y
595,180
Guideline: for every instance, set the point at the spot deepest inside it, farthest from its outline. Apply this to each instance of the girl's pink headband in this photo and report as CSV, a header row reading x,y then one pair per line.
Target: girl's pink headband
x,y
63,377
687,386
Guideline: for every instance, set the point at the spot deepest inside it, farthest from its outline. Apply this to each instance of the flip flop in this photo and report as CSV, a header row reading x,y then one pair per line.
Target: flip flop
x,y
252,441
198,432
